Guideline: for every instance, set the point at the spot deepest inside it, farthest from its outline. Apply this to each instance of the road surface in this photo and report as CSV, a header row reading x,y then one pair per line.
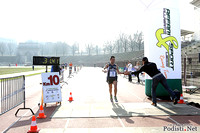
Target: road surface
x,y
91,111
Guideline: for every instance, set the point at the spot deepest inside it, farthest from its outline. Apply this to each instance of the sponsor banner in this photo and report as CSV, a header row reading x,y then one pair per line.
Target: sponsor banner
x,y
162,40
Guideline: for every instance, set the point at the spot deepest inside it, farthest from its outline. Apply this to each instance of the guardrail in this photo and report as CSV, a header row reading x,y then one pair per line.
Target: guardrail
x,y
12,93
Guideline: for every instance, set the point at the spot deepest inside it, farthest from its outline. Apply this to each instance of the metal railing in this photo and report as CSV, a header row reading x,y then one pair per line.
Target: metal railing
x,y
11,92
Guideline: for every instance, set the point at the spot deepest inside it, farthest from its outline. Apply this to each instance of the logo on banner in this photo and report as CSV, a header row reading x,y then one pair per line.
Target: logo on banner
x,y
170,42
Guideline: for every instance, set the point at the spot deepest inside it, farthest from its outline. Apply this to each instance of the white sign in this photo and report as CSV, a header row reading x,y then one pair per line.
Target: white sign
x,y
162,39
51,87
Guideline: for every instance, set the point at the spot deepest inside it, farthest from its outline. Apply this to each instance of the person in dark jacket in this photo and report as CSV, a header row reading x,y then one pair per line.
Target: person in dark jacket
x,y
157,77
55,68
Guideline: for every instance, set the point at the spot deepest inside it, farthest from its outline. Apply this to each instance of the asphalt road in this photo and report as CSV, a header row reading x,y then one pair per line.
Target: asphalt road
x,y
89,87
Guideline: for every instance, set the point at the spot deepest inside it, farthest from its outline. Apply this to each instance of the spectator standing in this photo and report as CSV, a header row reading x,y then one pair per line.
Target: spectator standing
x,y
129,70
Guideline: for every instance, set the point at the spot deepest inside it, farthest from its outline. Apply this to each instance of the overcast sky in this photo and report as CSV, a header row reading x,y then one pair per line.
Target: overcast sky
x,y
81,21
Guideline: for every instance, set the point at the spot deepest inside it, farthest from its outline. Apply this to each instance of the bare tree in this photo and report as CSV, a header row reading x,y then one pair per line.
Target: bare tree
x,y
118,46
2,48
42,47
104,49
81,52
49,48
11,47
110,47
55,47
131,43
138,37
64,48
78,48
97,50
123,39
89,48
74,48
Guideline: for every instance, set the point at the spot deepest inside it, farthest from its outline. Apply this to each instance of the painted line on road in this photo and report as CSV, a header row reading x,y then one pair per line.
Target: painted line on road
x,y
174,121
18,120
121,122
137,97
194,107
67,123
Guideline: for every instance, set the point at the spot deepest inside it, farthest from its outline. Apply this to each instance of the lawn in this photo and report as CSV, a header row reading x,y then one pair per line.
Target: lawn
x,y
17,70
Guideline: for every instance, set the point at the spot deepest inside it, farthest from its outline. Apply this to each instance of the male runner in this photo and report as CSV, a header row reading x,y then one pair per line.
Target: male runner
x,y
151,69
112,70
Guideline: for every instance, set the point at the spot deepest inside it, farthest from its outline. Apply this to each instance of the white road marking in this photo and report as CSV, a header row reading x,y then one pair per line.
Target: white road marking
x,y
194,107
174,121
18,120
121,122
67,123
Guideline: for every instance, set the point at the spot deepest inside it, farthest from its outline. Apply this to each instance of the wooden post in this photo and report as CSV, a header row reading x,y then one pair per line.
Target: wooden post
x,y
42,101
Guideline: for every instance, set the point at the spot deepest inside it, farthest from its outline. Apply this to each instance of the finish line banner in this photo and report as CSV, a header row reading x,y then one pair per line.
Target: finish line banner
x,y
163,44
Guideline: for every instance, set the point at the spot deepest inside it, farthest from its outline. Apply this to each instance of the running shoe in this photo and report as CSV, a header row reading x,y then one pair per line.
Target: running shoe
x,y
111,99
175,100
115,99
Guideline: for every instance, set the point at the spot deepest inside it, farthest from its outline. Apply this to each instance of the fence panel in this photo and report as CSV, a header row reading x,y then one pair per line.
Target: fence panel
x,y
11,92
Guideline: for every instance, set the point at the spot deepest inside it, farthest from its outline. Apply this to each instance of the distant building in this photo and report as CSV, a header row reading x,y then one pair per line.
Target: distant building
x,y
26,51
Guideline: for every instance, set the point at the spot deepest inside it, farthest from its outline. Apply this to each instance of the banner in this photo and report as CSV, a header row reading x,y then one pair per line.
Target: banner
x,y
51,87
162,42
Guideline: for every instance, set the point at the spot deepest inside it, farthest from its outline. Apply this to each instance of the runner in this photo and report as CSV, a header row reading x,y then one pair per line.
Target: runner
x,y
70,68
151,69
112,70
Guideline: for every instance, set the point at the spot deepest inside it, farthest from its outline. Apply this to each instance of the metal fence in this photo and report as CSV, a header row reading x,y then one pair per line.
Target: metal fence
x,y
11,92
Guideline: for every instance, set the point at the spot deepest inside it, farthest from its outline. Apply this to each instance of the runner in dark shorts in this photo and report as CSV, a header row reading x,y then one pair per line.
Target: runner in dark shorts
x,y
112,70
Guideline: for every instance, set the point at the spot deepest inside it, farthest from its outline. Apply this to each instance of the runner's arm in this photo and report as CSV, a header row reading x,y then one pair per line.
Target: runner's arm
x,y
136,72
119,71
106,66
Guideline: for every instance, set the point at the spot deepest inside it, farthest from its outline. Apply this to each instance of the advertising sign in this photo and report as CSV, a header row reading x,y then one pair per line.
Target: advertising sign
x,y
163,43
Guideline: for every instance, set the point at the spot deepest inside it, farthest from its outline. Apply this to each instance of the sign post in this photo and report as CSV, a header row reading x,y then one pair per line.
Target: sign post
x,y
162,45
50,81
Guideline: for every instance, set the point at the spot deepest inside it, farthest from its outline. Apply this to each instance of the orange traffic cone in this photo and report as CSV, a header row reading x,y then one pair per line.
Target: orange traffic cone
x,y
181,101
41,113
70,98
33,128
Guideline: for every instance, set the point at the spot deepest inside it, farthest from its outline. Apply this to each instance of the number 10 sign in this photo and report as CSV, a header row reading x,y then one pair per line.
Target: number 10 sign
x,y
51,87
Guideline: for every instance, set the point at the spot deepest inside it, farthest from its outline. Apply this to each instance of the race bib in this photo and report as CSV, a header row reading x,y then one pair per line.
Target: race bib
x,y
112,73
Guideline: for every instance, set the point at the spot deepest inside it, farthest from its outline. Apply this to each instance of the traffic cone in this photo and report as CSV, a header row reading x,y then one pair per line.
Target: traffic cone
x,y
33,128
41,113
70,98
181,101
